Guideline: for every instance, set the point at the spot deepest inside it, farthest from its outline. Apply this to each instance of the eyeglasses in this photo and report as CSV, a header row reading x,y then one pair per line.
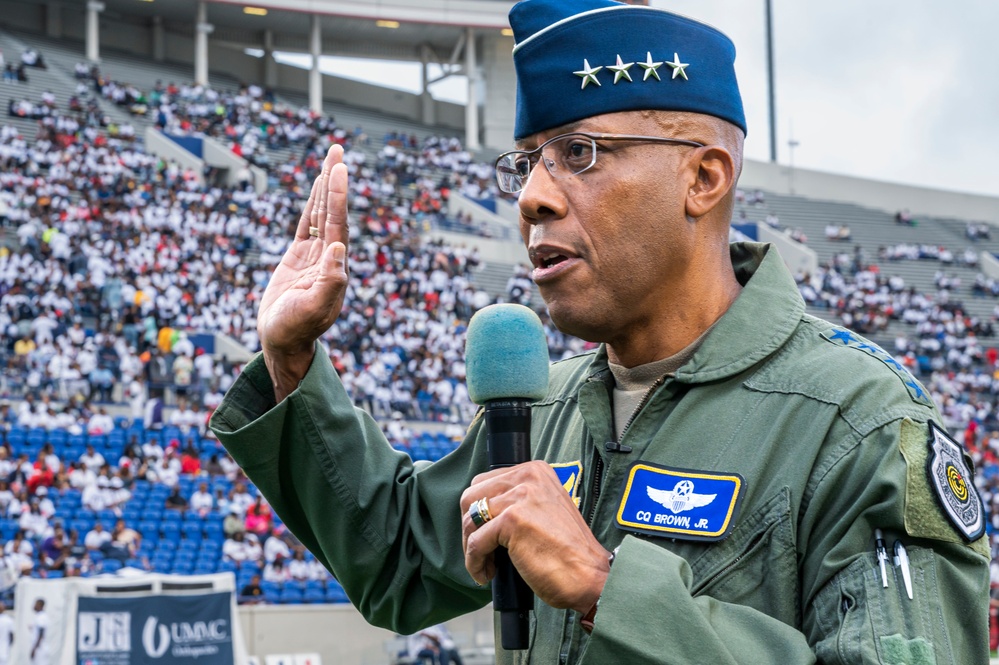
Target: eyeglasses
x,y
564,155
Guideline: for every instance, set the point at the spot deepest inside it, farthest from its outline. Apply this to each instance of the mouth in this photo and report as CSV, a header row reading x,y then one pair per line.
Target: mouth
x,y
550,261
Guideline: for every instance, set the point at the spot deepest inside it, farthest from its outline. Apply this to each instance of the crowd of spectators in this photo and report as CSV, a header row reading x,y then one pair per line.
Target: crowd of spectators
x,y
121,254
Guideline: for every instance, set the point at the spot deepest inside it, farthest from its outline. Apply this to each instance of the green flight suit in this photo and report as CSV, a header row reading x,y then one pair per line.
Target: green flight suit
x,y
828,434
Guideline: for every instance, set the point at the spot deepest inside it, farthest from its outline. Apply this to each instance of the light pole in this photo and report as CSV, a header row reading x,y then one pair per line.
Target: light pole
x,y
770,83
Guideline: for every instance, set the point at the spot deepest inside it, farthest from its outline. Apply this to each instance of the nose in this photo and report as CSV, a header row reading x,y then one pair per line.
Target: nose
x,y
542,198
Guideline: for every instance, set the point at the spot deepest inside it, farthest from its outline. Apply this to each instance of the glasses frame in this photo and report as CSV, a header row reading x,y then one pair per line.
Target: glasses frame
x,y
550,164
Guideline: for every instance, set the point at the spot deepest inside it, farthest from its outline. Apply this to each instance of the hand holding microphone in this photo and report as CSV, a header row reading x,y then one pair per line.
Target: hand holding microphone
x,y
520,527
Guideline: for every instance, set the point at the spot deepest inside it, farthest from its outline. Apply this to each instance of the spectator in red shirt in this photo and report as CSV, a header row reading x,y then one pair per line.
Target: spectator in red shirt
x,y
190,463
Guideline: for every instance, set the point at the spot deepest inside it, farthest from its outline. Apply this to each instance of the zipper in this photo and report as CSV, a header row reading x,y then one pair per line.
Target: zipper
x,y
615,446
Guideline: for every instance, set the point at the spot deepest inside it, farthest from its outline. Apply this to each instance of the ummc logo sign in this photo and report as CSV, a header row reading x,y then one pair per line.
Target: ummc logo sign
x,y
188,639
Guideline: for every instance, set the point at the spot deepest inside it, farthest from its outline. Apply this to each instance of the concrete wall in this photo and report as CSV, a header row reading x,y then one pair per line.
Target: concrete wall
x,y
500,80
989,264
340,634
159,145
797,257
883,195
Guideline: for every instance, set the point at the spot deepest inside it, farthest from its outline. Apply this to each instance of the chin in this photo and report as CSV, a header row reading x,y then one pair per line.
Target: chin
x,y
576,323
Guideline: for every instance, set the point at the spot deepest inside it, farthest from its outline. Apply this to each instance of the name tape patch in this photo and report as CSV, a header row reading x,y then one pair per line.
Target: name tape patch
x,y
570,474
953,484
680,503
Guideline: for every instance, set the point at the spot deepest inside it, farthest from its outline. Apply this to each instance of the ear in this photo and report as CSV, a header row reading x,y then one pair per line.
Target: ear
x,y
715,177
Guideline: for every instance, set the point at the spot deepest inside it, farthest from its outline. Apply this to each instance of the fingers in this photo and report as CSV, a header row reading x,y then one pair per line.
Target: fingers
x,y
302,230
336,226
334,160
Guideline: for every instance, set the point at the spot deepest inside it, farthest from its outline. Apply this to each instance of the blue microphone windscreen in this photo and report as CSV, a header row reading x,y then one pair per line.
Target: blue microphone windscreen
x,y
506,354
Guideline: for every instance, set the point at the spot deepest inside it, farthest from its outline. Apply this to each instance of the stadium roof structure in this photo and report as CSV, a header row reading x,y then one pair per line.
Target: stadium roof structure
x,y
394,29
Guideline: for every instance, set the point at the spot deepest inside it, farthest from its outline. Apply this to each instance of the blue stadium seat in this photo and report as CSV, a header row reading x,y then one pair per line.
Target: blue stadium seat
x,y
170,530
335,594
315,596
111,565
192,531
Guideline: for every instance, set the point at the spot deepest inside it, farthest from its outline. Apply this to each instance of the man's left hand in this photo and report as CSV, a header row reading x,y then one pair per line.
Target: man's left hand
x,y
548,540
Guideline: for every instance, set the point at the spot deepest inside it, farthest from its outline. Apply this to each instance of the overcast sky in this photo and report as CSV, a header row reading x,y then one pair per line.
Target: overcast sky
x,y
899,90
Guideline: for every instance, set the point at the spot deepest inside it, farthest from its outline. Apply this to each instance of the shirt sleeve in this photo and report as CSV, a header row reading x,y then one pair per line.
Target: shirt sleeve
x,y
389,529
648,609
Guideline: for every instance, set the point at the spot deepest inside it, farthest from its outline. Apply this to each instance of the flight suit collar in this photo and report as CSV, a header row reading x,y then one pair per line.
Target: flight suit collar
x,y
742,337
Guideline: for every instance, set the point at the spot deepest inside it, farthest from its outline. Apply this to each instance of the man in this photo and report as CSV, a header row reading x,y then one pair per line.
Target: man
x,y
38,628
709,481
6,634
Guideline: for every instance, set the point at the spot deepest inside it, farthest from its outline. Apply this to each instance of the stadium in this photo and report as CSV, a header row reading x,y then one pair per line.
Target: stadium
x,y
156,157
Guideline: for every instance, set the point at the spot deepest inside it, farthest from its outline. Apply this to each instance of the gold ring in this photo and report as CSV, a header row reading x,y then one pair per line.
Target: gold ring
x,y
314,231
479,512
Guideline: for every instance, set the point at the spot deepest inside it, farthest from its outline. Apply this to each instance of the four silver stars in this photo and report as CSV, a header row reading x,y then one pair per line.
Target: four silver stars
x,y
620,69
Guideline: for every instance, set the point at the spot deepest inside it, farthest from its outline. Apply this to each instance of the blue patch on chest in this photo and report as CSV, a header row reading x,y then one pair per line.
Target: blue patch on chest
x,y
843,337
570,475
680,503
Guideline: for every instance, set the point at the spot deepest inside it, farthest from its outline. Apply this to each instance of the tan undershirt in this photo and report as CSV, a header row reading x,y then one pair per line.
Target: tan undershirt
x,y
631,383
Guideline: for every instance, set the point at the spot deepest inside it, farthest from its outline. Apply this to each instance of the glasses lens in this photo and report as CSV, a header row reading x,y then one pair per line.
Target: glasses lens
x,y
570,154
511,172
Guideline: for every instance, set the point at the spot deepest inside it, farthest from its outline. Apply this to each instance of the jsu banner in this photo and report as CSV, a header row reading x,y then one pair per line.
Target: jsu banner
x,y
155,630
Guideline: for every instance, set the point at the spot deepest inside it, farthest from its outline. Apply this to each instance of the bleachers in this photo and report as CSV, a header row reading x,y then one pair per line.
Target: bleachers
x,y
173,542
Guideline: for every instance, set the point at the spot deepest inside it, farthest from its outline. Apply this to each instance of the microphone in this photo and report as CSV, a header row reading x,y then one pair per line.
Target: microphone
x,y
506,365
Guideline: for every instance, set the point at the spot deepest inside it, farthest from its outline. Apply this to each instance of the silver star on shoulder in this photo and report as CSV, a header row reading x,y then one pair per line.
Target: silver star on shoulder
x,y
678,67
650,67
620,70
589,74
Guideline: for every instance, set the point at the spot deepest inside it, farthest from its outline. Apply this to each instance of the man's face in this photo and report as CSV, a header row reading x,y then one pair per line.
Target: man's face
x,y
608,243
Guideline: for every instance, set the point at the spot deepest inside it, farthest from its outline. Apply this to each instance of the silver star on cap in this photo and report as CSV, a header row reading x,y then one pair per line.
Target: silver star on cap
x,y
678,67
620,70
589,74
650,67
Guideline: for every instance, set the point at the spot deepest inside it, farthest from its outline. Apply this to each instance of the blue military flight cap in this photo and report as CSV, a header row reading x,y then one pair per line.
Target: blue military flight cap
x,y
580,58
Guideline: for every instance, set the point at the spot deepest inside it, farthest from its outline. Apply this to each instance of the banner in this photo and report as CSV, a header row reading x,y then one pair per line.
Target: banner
x,y
155,630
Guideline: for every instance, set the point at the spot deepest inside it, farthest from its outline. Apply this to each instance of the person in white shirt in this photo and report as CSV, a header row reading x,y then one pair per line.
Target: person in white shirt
x,y
6,634
93,496
276,572
92,459
38,629
241,498
45,505
80,476
236,548
275,547
96,537
201,501
152,451
298,567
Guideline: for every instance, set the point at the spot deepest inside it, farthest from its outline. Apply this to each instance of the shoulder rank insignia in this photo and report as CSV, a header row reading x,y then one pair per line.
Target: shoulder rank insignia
x,y
953,485
570,475
844,337
678,503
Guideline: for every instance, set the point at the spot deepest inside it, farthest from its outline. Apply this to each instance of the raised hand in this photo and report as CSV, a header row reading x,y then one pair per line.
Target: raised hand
x,y
306,291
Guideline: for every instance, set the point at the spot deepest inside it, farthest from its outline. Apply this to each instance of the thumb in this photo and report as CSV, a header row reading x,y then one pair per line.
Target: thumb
x,y
333,268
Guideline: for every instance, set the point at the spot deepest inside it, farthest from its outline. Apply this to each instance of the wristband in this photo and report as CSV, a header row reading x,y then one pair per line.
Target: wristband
x,y
587,621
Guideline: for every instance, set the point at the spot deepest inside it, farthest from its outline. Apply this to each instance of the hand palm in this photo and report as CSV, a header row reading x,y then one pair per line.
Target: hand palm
x,y
306,291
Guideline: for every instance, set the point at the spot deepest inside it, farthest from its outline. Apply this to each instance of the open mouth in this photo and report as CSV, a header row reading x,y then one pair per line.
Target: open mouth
x,y
553,260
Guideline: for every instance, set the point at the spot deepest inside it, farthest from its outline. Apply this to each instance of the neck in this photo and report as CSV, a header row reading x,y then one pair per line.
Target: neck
x,y
673,324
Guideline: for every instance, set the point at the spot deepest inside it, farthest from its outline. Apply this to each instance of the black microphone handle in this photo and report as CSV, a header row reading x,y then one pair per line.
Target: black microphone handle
x,y
508,440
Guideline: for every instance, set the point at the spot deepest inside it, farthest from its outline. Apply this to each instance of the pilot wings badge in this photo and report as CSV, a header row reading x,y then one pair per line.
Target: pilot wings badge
x,y
680,498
